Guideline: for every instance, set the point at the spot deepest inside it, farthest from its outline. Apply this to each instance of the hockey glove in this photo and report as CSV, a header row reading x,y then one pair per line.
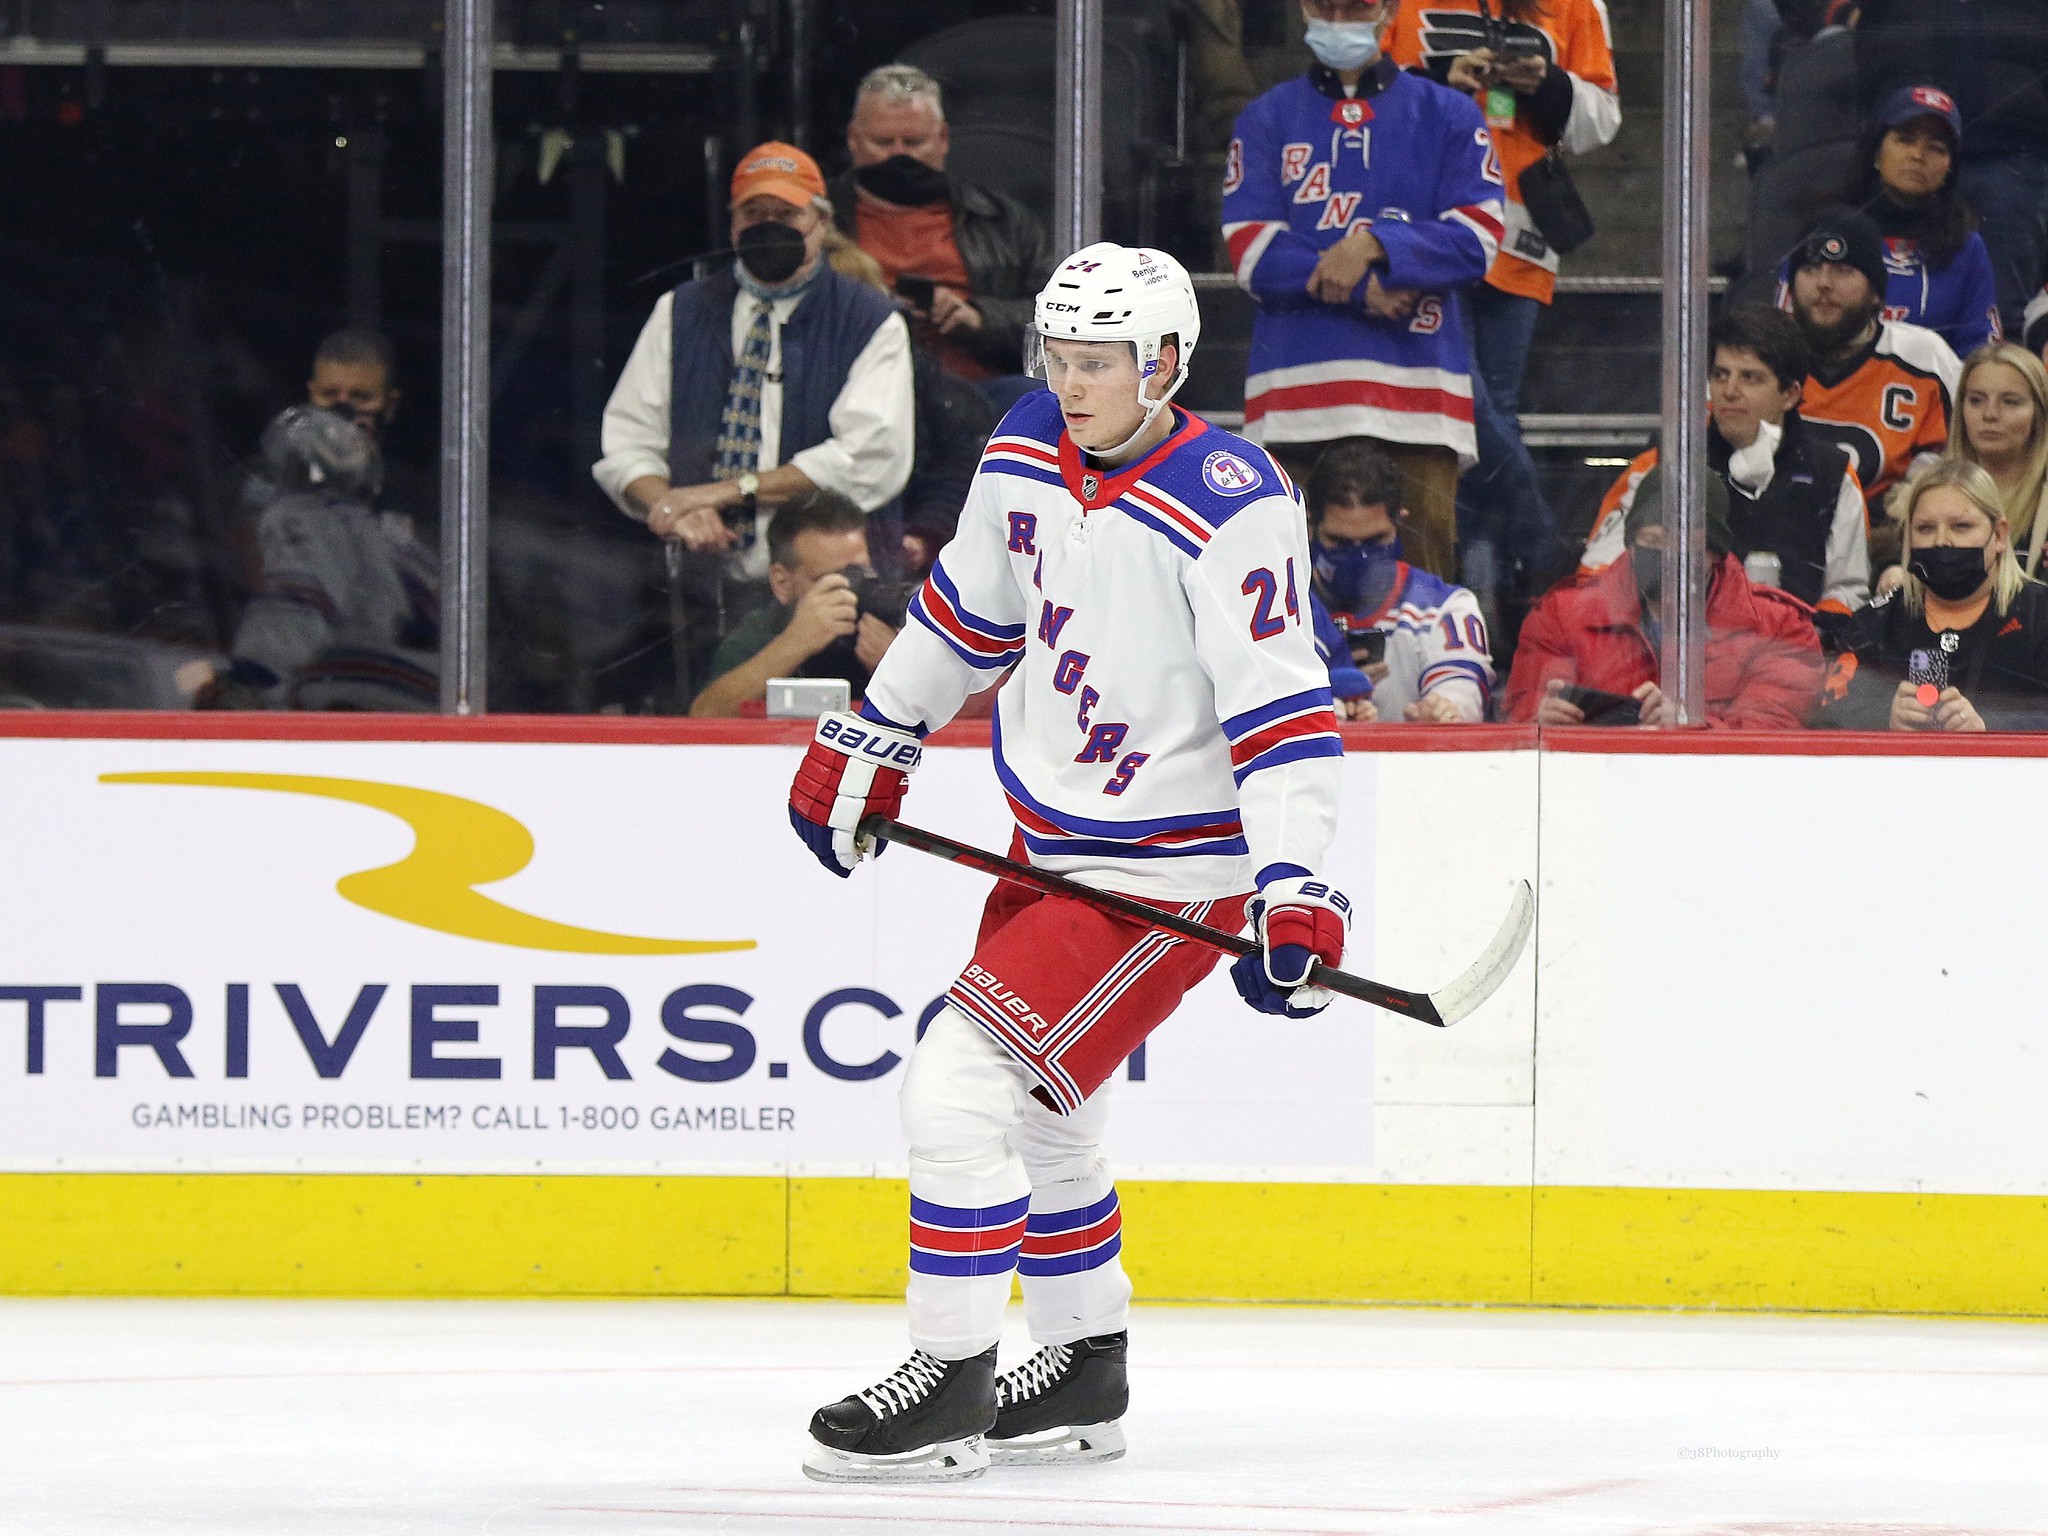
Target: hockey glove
x,y
1297,922
855,768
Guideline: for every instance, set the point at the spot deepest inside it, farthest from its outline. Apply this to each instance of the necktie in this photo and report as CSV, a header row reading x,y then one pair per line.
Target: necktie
x,y
739,425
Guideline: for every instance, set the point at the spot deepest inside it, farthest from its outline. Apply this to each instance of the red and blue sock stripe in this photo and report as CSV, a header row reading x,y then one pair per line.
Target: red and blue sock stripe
x,y
1070,1242
966,1240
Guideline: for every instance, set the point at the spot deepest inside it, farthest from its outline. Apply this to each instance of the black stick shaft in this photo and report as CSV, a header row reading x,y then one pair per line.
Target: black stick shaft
x,y
1414,1005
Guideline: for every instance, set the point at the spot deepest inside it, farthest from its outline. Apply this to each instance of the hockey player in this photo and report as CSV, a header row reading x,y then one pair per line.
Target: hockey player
x,y
1357,200
1166,733
1419,641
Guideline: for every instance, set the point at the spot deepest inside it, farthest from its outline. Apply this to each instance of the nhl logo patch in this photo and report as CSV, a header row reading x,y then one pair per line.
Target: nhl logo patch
x,y
1226,473
1091,483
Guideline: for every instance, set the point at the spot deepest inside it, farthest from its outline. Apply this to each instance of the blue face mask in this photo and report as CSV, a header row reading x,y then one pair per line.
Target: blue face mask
x,y
1356,578
1344,45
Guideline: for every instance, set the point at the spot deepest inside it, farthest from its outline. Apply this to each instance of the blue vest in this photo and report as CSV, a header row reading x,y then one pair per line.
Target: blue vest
x,y
831,324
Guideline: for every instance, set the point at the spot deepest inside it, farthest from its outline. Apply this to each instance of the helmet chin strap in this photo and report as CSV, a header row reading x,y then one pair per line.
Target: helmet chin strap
x,y
1152,409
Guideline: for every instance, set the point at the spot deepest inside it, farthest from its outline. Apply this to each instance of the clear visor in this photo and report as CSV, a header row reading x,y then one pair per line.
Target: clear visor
x,y
1091,360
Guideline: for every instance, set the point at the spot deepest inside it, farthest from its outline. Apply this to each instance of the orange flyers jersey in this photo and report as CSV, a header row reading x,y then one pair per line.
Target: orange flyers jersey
x,y
1889,409
1574,38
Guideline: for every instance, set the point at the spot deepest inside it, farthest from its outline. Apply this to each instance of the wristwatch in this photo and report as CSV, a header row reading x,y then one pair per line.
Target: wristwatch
x,y
748,485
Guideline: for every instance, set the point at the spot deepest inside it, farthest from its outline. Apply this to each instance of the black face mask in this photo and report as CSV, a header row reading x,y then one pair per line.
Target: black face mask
x,y
1951,573
903,181
771,253
1649,567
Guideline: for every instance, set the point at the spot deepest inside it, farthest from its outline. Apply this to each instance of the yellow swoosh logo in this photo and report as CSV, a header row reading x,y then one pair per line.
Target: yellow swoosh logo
x,y
457,845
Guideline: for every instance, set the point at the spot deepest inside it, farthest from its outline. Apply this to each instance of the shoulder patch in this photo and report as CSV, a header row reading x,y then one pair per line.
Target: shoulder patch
x,y
1228,474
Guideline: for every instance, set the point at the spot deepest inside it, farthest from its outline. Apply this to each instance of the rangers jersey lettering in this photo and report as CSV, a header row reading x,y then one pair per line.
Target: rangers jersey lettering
x,y
1436,644
1412,160
1167,730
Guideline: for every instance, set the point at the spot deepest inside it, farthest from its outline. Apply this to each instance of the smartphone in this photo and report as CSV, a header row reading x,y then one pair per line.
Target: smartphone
x,y
1601,707
918,290
1369,649
1518,48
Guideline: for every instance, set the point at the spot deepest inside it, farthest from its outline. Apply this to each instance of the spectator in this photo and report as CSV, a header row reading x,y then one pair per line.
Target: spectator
x,y
983,254
2002,423
1791,493
339,619
1357,200
1991,57
1401,644
354,375
1881,388
1763,662
954,423
1938,272
752,386
1542,71
818,625
1963,644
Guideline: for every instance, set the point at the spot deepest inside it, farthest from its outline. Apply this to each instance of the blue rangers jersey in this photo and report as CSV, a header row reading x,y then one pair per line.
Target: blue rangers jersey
x,y
1436,644
1410,158
1167,729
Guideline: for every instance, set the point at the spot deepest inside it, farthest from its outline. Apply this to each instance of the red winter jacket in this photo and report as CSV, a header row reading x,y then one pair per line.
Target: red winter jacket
x,y
1763,657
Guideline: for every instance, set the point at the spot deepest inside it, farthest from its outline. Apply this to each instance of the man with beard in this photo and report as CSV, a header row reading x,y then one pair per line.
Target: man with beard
x,y
761,382
1880,388
969,259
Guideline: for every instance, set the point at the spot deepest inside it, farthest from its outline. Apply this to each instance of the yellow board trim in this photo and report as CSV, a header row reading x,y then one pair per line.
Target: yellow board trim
x,y
460,1235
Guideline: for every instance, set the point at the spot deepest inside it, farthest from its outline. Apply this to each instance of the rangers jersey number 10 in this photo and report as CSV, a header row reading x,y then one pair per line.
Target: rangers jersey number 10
x,y
1168,730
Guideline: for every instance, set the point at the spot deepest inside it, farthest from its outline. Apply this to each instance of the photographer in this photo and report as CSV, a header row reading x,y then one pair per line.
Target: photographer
x,y
831,616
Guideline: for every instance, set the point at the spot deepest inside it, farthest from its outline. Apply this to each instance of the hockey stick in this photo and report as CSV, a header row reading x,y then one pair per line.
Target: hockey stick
x,y
1445,1006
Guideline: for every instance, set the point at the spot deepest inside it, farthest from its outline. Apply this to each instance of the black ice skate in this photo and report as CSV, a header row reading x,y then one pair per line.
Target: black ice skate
x,y
921,1423
1063,1404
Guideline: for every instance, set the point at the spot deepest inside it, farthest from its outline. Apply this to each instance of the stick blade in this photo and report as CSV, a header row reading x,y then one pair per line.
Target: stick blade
x,y
1484,976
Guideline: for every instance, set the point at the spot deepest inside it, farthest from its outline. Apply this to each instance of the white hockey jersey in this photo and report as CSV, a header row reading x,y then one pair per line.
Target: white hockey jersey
x,y
1436,643
1168,730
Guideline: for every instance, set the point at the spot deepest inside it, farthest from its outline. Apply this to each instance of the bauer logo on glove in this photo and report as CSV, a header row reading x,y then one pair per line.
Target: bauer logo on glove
x,y
855,768
1298,923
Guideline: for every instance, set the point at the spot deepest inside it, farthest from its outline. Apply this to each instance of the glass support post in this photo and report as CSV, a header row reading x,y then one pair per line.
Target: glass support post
x,y
1077,128
466,156
1683,452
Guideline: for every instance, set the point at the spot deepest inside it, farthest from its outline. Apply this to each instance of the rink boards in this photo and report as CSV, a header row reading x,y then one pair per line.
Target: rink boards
x,y
519,1008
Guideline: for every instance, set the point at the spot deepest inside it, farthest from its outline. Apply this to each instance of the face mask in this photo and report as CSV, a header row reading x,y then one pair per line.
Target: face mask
x,y
1649,566
903,181
1950,573
1344,45
1357,577
771,253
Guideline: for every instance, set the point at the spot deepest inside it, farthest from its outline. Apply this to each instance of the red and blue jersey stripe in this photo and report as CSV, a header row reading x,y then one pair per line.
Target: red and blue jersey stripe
x,y
1302,725
981,643
966,1240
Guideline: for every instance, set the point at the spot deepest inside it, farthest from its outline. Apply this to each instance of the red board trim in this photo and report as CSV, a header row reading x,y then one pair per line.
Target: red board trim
x,y
646,731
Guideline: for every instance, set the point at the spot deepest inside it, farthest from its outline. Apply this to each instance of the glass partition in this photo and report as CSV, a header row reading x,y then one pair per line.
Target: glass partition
x,y
218,213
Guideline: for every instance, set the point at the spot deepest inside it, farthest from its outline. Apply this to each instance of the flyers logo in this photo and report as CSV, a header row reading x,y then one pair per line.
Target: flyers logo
x,y
458,845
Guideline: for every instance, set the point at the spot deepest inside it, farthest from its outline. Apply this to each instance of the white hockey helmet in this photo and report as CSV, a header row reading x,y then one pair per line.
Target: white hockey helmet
x,y
1109,292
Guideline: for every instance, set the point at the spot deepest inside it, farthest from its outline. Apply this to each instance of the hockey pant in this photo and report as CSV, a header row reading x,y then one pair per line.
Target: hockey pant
x,y
1000,1184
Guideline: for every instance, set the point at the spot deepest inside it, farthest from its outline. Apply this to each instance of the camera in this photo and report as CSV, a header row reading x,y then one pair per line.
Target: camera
x,y
887,600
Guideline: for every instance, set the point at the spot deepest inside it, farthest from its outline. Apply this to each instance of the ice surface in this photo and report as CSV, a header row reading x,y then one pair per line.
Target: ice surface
x,y
234,1418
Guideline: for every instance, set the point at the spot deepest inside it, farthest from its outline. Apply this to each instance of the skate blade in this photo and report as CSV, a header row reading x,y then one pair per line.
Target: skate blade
x,y
1069,1443
950,1461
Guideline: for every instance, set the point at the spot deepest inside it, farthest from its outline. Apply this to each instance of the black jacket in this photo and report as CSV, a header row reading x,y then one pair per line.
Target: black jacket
x,y
1008,256
1795,514
2000,663
1991,55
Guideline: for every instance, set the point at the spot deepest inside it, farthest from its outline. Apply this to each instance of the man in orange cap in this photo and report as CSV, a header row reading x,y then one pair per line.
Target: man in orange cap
x,y
760,382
